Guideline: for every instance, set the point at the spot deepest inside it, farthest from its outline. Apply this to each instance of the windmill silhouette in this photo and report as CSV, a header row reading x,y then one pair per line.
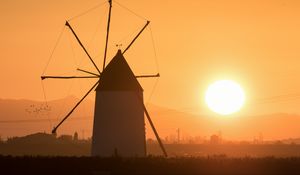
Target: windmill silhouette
x,y
119,125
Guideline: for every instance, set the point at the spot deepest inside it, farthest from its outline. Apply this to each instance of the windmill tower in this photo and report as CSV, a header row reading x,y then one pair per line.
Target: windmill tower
x,y
119,125
119,115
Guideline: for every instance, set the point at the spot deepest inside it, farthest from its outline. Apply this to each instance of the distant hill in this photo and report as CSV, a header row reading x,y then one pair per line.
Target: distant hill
x,y
23,117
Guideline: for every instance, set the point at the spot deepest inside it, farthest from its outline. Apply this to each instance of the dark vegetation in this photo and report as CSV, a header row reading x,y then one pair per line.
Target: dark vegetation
x,y
148,165
42,144
42,153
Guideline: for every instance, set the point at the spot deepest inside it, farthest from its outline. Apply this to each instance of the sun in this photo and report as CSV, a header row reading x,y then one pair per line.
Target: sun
x,y
225,97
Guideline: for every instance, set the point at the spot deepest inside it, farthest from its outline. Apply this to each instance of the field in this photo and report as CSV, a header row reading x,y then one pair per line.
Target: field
x,y
149,165
45,154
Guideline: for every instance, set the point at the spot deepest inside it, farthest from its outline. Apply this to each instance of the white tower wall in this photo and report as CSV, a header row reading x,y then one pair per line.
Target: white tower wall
x,y
119,124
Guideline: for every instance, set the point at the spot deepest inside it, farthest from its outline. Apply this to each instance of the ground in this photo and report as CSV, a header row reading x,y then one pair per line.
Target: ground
x,y
149,165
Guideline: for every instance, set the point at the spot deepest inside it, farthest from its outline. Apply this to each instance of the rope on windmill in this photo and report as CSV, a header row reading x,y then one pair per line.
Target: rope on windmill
x,y
81,58
89,45
49,60
87,11
54,48
154,48
47,64
77,65
156,64
134,32
137,15
46,102
73,51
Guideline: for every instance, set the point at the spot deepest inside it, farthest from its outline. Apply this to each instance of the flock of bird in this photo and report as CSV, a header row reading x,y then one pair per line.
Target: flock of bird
x,y
38,109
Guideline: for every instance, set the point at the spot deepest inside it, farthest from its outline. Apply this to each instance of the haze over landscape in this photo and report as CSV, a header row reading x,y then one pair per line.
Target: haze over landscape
x,y
23,117
149,87
197,42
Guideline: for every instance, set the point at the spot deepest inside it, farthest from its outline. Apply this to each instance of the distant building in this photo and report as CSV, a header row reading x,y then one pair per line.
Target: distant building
x,y
65,137
215,139
150,141
75,137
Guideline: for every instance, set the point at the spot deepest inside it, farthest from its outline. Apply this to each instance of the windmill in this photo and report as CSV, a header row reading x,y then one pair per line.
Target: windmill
x,y
119,124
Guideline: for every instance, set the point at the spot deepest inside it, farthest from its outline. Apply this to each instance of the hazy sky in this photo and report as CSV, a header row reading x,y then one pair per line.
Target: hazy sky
x,y
255,43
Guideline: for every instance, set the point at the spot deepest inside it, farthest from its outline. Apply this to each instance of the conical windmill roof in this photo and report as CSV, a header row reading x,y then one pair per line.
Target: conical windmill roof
x,y
118,76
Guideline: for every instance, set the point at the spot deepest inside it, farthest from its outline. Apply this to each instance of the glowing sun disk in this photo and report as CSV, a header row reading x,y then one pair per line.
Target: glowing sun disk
x,y
224,97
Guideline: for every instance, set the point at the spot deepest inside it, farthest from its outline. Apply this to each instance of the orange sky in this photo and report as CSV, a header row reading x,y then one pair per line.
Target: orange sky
x,y
253,42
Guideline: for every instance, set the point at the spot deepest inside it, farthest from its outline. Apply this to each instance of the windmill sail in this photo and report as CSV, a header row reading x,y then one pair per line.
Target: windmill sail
x,y
119,122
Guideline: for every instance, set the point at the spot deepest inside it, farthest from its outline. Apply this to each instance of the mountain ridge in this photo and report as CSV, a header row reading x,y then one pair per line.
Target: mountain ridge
x,y
22,116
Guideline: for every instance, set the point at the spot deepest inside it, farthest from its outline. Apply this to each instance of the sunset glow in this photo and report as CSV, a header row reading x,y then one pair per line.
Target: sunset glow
x,y
228,67
224,97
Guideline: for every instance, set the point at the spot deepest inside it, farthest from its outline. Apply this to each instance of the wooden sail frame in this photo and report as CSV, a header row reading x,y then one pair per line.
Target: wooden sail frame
x,y
95,75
